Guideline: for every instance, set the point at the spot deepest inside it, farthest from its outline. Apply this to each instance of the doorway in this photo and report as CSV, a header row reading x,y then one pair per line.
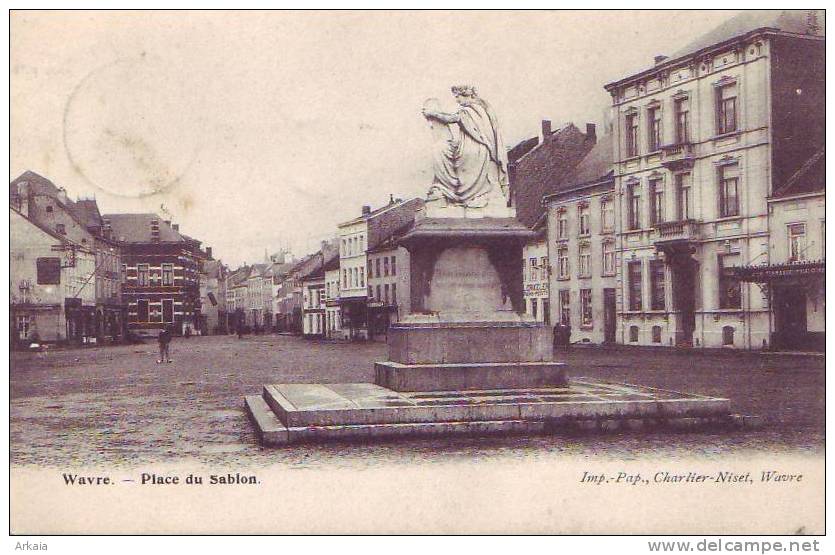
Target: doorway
x,y
609,315
790,318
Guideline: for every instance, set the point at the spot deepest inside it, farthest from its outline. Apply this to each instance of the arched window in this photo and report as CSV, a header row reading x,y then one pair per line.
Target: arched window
x,y
728,335
656,334
633,334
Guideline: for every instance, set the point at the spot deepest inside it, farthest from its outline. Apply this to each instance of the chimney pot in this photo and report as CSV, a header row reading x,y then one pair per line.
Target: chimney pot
x,y
660,58
366,209
546,128
176,227
591,132
209,252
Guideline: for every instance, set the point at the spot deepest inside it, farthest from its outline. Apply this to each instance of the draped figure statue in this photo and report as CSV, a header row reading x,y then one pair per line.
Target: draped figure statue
x,y
469,158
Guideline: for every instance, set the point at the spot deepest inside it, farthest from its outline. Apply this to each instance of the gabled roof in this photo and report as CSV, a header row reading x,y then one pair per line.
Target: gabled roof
x,y
396,204
595,166
136,228
809,178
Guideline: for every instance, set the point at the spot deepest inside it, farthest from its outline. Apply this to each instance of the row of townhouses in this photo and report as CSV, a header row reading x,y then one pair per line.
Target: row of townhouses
x,y
698,218
80,276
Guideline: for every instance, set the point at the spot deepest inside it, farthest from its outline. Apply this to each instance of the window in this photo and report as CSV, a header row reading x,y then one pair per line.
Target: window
x,y
124,272
585,261
726,109
362,243
59,228
167,275
633,200
142,275
386,266
371,269
344,278
370,292
585,224
728,190
24,324
608,258
386,293
728,335
683,198
377,264
797,242
562,262
394,265
656,334
344,248
657,284
379,293
635,288
562,224
631,135
49,271
607,215
49,209
393,293
585,307
534,308
565,307
682,109
534,274
142,310
656,199
730,291
633,334
654,128
543,268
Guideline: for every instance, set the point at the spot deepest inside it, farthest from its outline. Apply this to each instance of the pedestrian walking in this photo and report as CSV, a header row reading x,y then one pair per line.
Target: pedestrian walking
x,y
164,339
240,329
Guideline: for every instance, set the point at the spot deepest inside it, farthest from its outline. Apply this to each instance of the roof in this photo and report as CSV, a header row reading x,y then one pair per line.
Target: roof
x,y
382,209
809,178
797,22
801,22
136,228
87,211
597,165
541,171
50,232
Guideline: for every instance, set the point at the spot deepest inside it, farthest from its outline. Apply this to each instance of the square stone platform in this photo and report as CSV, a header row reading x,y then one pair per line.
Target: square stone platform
x,y
291,413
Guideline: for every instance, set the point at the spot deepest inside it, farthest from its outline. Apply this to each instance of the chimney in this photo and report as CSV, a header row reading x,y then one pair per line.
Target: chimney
x,y
62,195
546,128
391,198
175,227
591,132
366,210
209,253
660,58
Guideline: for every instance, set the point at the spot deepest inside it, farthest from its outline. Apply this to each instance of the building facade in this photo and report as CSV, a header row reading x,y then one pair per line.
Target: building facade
x,y
702,139
582,224
389,293
48,291
536,272
161,270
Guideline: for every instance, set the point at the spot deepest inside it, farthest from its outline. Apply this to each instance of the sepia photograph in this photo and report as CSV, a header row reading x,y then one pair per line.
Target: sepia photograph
x,y
418,272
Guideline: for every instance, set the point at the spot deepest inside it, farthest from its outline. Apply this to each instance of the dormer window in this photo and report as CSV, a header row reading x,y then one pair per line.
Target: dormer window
x,y
49,209
59,228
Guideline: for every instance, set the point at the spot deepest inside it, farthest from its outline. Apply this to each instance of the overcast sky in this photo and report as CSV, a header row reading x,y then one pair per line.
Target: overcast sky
x,y
259,130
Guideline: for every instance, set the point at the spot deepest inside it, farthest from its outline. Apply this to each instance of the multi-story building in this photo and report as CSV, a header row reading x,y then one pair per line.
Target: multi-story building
x,y
48,276
536,169
355,238
333,322
703,138
213,295
236,303
40,200
314,297
582,248
388,286
161,270
793,277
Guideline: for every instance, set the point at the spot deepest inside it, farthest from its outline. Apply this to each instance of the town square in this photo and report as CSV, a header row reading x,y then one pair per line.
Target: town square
x,y
455,244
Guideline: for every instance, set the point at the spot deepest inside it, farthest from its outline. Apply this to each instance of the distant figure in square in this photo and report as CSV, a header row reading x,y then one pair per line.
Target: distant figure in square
x,y
164,339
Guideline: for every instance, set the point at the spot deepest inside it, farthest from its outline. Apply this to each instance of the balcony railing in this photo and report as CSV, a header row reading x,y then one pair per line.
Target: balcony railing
x,y
677,230
676,154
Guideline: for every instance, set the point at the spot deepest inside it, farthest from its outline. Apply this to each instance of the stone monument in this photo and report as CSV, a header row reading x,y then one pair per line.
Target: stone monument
x,y
466,359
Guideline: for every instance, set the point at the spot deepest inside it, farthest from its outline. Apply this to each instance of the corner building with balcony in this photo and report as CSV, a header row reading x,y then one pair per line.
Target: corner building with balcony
x,y
703,138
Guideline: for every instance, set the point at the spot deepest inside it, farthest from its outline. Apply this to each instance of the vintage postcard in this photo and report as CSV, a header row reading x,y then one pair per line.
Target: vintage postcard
x,y
418,272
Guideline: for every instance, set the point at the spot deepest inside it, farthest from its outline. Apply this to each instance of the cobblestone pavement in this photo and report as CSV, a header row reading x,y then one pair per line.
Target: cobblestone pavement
x,y
115,405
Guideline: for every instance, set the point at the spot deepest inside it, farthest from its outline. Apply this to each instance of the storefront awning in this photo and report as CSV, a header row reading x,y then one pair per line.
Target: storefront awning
x,y
766,273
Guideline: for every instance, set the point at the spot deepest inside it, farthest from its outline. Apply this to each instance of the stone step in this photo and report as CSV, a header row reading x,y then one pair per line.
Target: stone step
x,y
470,376
316,405
269,428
